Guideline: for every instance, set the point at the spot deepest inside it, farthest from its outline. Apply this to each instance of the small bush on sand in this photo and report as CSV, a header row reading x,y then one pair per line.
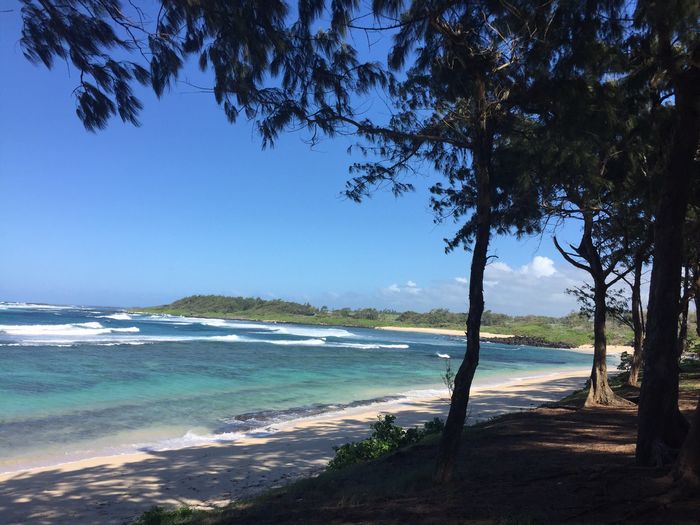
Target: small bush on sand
x,y
161,516
386,437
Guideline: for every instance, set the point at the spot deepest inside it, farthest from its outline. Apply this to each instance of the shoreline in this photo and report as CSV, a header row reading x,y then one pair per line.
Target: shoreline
x,y
611,349
213,474
490,337
399,400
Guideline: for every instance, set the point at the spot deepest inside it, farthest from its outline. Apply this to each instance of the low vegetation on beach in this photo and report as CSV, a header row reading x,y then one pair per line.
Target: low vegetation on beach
x,y
571,330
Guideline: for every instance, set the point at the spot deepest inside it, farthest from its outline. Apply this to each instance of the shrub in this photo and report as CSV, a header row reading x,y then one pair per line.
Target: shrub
x,y
161,516
625,361
386,437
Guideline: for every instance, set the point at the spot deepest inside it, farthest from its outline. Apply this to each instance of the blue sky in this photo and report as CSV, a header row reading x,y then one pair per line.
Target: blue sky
x,y
188,203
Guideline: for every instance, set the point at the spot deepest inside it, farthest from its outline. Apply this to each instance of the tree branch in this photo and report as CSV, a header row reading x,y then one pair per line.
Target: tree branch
x,y
569,257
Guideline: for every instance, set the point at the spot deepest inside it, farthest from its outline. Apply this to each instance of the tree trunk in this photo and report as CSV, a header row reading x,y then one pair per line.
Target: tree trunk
x,y
687,470
685,304
697,299
637,323
600,392
696,296
451,436
661,425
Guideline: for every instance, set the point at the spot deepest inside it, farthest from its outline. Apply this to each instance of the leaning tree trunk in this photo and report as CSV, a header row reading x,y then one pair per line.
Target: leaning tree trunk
x,y
452,434
661,425
687,470
637,324
600,392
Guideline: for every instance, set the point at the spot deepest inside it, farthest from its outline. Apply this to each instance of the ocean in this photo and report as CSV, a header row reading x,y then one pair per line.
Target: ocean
x,y
79,382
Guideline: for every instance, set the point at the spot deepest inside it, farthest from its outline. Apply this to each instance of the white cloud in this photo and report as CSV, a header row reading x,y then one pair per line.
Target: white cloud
x,y
500,266
410,288
537,287
539,267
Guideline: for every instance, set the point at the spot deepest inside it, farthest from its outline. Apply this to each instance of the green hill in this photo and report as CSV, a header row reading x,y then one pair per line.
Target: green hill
x,y
573,329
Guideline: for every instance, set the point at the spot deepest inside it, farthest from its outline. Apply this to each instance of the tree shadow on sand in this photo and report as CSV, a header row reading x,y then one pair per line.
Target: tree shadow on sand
x,y
500,462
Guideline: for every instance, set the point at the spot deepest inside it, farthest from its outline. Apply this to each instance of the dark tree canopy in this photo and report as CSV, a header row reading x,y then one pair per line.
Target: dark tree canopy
x,y
266,63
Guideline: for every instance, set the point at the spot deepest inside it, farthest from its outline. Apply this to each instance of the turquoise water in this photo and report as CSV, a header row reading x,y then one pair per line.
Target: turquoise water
x,y
78,381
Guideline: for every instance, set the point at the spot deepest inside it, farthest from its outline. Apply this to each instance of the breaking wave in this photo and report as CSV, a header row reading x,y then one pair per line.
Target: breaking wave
x,y
121,316
36,306
74,329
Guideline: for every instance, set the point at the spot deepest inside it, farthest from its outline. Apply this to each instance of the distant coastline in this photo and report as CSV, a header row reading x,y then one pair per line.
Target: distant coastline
x,y
508,339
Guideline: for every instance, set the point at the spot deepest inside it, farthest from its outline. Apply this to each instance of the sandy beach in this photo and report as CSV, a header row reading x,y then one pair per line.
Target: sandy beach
x,y
585,349
117,489
611,349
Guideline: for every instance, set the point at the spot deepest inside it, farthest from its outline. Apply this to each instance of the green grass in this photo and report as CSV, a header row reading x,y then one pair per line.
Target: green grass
x,y
690,375
177,516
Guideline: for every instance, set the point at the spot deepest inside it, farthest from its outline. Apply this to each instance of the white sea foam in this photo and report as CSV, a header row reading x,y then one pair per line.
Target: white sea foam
x,y
121,316
266,327
35,306
312,332
218,323
228,323
190,439
370,346
75,329
222,338
240,325
423,393
98,334
291,342
164,318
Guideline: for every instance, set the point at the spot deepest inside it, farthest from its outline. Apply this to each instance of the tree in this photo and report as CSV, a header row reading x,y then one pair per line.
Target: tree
x,y
690,289
459,62
696,278
629,312
639,259
462,88
666,54
275,69
687,292
471,87
587,163
687,468
598,255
